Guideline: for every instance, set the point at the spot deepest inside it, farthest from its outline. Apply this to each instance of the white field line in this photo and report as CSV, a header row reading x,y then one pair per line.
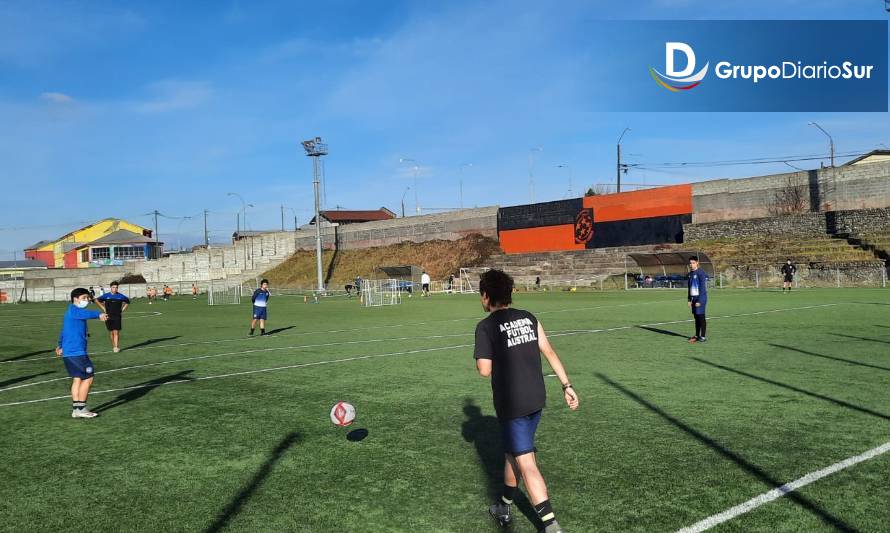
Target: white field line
x,y
147,314
351,330
244,352
778,492
557,333
357,358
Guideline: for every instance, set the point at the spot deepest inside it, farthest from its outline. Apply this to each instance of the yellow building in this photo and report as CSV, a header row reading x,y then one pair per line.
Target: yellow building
x,y
108,241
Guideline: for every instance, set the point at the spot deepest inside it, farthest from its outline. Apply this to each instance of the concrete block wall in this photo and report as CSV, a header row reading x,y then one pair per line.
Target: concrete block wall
x,y
830,189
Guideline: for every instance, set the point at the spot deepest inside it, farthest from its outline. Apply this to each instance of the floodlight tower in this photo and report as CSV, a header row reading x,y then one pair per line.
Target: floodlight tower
x,y
315,149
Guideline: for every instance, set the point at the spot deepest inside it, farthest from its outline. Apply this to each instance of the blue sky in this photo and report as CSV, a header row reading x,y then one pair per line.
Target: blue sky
x,y
117,109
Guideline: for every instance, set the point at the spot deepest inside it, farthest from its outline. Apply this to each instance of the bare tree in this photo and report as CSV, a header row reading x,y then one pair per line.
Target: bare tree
x,y
789,199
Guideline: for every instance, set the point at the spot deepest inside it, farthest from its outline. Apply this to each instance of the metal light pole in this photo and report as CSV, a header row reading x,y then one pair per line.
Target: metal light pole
x,y
830,141
243,208
570,176
179,232
531,171
206,235
414,169
461,183
316,149
403,200
618,164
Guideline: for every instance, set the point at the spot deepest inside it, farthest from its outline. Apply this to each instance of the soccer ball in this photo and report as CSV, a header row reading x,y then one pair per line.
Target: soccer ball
x,y
342,414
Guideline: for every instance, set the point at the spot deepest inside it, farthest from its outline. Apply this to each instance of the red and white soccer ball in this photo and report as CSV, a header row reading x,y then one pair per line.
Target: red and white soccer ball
x,y
342,414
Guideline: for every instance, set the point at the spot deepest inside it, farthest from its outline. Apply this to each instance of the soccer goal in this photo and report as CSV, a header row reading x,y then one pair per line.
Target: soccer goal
x,y
222,293
379,292
464,284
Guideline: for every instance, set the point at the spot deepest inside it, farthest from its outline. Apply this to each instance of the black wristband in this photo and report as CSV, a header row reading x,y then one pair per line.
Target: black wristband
x,y
567,386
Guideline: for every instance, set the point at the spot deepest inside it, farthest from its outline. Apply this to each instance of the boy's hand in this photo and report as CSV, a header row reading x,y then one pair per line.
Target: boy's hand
x,y
698,304
571,398
103,317
58,351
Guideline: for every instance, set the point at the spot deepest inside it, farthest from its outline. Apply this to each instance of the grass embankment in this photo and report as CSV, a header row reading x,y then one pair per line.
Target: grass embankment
x,y
439,258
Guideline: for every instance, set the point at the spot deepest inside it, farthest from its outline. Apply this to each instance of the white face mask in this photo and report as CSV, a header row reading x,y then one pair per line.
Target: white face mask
x,y
82,303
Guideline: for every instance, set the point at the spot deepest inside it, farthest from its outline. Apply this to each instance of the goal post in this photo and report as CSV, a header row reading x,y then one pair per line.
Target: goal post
x,y
221,293
380,292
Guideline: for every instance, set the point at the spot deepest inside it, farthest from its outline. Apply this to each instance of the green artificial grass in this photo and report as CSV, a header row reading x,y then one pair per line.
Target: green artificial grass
x,y
667,434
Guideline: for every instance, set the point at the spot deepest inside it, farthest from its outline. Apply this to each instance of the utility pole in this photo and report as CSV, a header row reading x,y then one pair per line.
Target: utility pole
x,y
618,163
206,235
316,149
157,237
282,217
237,222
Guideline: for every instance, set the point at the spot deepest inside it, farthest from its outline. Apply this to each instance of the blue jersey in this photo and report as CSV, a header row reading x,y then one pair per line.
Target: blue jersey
x,y
73,339
261,297
698,286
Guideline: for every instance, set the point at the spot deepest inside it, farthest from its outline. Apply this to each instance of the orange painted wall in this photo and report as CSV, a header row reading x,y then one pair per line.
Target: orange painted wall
x,y
541,239
663,201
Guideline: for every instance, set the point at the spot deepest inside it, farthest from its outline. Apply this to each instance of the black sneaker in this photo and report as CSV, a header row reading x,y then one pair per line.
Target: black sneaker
x,y
502,513
251,333
702,339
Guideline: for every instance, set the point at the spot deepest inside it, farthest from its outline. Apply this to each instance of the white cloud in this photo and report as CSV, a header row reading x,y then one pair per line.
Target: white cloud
x,y
56,98
174,95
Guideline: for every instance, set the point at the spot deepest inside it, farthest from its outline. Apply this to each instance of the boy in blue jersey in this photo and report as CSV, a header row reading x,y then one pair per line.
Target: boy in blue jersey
x,y
698,299
72,349
260,301
114,304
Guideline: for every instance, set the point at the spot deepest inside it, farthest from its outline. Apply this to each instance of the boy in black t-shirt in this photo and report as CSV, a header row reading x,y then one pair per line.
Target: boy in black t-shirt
x,y
509,344
788,271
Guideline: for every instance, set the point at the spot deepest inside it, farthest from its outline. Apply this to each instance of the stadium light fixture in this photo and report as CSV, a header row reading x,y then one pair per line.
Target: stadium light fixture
x,y
315,149
830,140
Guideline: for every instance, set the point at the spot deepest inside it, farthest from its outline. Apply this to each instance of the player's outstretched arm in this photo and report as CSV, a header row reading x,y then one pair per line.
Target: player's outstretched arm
x,y
553,360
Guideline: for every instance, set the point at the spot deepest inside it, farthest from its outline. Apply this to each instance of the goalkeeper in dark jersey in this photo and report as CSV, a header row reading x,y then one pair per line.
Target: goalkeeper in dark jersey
x,y
260,301
788,270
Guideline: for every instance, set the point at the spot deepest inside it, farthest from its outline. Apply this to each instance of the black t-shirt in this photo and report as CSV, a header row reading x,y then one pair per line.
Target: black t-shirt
x,y
509,337
788,270
114,303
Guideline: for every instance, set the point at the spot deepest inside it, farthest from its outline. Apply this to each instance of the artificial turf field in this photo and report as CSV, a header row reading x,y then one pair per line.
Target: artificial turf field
x,y
223,432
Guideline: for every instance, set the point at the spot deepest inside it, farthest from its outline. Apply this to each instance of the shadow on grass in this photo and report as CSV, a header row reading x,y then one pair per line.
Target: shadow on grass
x,y
835,401
833,358
279,330
855,338
24,355
234,507
484,432
663,332
740,461
22,378
139,390
149,342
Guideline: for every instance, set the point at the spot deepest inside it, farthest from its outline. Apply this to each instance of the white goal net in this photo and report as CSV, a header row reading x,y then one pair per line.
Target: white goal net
x,y
378,292
222,293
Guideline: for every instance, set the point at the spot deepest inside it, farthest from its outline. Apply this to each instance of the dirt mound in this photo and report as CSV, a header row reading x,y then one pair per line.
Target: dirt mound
x,y
439,258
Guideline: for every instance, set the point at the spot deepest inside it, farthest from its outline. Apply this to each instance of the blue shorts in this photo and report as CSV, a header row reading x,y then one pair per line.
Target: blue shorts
x,y
519,434
259,313
79,366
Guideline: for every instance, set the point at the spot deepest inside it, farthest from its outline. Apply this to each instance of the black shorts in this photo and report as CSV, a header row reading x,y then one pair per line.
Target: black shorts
x,y
789,278
426,286
114,323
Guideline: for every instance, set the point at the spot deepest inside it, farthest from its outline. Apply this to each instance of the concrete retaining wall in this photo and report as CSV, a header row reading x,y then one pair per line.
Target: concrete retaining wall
x,y
830,189
804,225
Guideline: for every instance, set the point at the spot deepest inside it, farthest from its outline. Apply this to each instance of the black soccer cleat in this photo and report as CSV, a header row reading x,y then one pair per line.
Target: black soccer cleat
x,y
502,513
